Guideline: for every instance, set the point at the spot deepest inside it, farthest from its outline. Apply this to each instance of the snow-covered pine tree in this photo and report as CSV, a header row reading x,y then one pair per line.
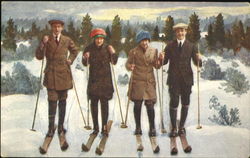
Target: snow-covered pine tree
x,y
223,116
212,71
20,82
236,82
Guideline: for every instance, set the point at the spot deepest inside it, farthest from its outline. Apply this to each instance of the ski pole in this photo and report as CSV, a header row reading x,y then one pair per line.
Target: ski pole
x,y
160,101
162,78
38,94
88,127
198,88
78,101
163,130
129,93
117,92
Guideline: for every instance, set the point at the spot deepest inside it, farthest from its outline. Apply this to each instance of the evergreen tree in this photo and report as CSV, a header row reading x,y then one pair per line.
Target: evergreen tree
x,y
108,37
78,32
34,31
16,30
236,38
130,41
22,33
73,33
219,32
2,31
46,30
193,32
116,33
246,42
155,36
43,32
87,26
210,37
228,40
9,41
241,32
168,29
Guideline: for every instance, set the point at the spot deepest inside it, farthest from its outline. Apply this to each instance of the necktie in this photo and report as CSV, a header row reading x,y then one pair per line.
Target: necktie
x,y
57,41
179,46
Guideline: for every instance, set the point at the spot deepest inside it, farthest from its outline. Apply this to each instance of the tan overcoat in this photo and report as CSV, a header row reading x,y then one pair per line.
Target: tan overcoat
x,y
143,80
57,73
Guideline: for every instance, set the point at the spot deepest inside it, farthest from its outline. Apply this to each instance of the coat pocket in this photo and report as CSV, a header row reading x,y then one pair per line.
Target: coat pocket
x,y
48,80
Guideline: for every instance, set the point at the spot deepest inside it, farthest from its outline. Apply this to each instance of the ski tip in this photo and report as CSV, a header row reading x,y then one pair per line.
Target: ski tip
x,y
110,121
157,149
123,125
174,151
163,131
98,151
84,148
88,127
64,147
199,127
140,149
42,151
188,149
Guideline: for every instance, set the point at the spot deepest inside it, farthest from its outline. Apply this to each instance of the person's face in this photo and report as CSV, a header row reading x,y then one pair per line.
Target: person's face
x,y
57,28
180,33
99,41
144,43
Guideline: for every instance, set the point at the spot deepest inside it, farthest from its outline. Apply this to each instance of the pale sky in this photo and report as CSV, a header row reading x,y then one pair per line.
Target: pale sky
x,y
107,10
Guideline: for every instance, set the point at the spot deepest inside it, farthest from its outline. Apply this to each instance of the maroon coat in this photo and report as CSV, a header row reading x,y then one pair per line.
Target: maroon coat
x,y
100,77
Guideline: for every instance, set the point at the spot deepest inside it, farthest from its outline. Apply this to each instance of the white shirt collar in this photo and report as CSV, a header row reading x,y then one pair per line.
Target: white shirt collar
x,y
182,41
58,36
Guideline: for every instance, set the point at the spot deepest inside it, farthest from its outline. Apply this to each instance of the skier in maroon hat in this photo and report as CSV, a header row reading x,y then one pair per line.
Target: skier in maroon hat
x,y
100,88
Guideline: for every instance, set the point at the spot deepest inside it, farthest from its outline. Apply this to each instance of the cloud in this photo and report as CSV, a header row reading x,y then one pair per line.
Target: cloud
x,y
152,13
126,13
126,10
50,11
214,11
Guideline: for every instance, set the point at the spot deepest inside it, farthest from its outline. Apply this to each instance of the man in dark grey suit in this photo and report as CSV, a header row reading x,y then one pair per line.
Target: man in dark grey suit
x,y
179,53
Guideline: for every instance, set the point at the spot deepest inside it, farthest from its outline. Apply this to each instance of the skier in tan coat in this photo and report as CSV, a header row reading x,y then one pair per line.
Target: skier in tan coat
x,y
57,78
142,60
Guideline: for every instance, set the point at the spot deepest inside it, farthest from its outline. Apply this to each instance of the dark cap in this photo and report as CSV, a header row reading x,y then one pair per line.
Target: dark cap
x,y
56,21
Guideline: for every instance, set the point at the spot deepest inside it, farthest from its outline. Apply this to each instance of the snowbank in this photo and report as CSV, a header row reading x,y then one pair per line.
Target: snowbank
x,y
25,43
211,141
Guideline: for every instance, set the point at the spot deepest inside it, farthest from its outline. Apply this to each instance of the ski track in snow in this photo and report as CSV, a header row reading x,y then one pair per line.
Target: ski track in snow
x,y
211,141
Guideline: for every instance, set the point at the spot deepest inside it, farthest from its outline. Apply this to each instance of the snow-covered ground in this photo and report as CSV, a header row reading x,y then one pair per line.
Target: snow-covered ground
x,y
25,43
211,141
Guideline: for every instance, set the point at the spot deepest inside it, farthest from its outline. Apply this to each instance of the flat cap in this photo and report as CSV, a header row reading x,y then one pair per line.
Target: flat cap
x,y
56,21
180,25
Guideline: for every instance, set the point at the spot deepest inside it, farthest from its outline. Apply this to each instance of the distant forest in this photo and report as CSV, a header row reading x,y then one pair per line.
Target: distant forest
x,y
231,33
